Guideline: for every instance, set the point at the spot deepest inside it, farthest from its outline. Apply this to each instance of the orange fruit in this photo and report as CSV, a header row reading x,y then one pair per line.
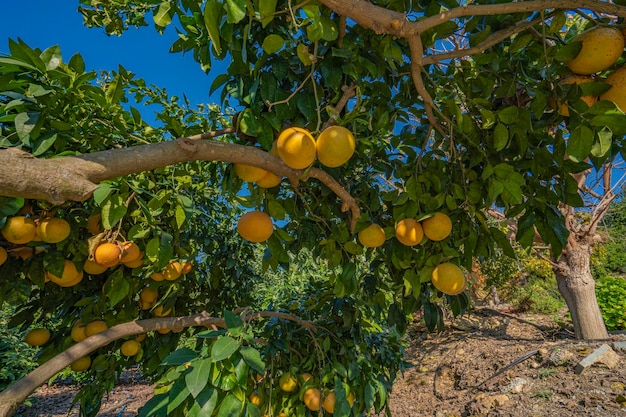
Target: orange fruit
x,y
305,377
448,278
81,364
93,224
19,230
160,313
130,348
157,276
144,305
37,337
331,399
3,255
601,48
335,146
437,227
409,232
186,268
53,230
313,399
296,147
255,399
172,271
107,254
287,382
130,252
372,236
70,276
269,180
95,327
148,295
255,226
93,268
249,173
137,262
78,333
141,337
617,92
577,79
164,331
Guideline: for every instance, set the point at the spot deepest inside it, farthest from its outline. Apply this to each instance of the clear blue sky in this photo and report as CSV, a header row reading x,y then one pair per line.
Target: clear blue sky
x,y
44,23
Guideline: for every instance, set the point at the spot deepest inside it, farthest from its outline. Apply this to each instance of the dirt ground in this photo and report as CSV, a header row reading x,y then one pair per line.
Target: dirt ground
x,y
492,363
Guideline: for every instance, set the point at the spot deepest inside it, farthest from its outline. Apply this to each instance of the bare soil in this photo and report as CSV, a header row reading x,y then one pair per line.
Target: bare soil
x,y
492,363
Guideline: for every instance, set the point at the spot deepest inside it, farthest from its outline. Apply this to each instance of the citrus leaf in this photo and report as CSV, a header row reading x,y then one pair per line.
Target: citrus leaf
x,y
272,43
223,348
230,407
179,357
253,359
235,10
196,377
267,8
163,17
212,17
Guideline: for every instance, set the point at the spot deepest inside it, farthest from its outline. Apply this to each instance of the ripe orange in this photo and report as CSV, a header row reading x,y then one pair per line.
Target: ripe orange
x,y
617,92
53,230
305,377
3,255
249,173
137,262
93,224
93,268
255,226
81,364
148,295
331,399
141,337
145,305
255,399
437,227
130,348
580,79
372,236
335,146
19,230
186,268
601,47
448,278
164,331
313,399
107,254
37,337
409,232
172,271
78,333
95,327
296,147
70,276
269,180
157,276
130,252
160,313
287,382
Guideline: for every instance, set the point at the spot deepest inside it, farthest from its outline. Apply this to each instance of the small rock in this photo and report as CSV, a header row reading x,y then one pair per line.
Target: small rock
x,y
603,355
515,386
492,401
561,357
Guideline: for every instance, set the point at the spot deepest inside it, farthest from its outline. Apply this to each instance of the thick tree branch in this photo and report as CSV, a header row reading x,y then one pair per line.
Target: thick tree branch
x,y
17,393
75,177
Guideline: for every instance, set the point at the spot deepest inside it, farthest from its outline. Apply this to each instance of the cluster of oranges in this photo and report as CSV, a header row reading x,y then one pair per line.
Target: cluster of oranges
x,y
313,397
298,149
601,47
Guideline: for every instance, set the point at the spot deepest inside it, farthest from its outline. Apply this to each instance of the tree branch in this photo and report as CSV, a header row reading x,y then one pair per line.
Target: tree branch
x,y
75,177
17,393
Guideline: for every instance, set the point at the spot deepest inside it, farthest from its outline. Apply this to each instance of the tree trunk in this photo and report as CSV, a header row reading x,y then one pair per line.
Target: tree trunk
x,y
577,286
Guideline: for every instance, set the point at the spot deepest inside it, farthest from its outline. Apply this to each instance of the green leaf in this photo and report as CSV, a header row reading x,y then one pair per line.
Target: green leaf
x,y
197,376
180,216
177,395
113,210
234,324
253,359
235,10
25,122
509,115
500,137
179,357
272,43
603,144
43,143
224,347
77,64
568,51
267,8
155,407
230,407
579,143
205,404
117,287
163,15
212,18
615,122
51,57
102,192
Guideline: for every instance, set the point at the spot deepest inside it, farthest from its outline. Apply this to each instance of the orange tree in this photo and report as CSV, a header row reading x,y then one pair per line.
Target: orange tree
x,y
455,109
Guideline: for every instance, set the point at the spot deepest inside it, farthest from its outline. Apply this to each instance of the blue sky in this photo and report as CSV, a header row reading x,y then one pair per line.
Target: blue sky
x,y
44,23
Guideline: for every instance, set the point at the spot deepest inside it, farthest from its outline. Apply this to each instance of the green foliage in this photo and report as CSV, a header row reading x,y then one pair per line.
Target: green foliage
x,y
611,294
609,258
17,357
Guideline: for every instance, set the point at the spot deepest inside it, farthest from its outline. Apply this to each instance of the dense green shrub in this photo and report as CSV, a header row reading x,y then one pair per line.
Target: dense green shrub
x,y
17,357
611,294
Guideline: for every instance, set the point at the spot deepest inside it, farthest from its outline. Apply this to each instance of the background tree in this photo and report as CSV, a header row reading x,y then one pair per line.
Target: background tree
x,y
454,108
